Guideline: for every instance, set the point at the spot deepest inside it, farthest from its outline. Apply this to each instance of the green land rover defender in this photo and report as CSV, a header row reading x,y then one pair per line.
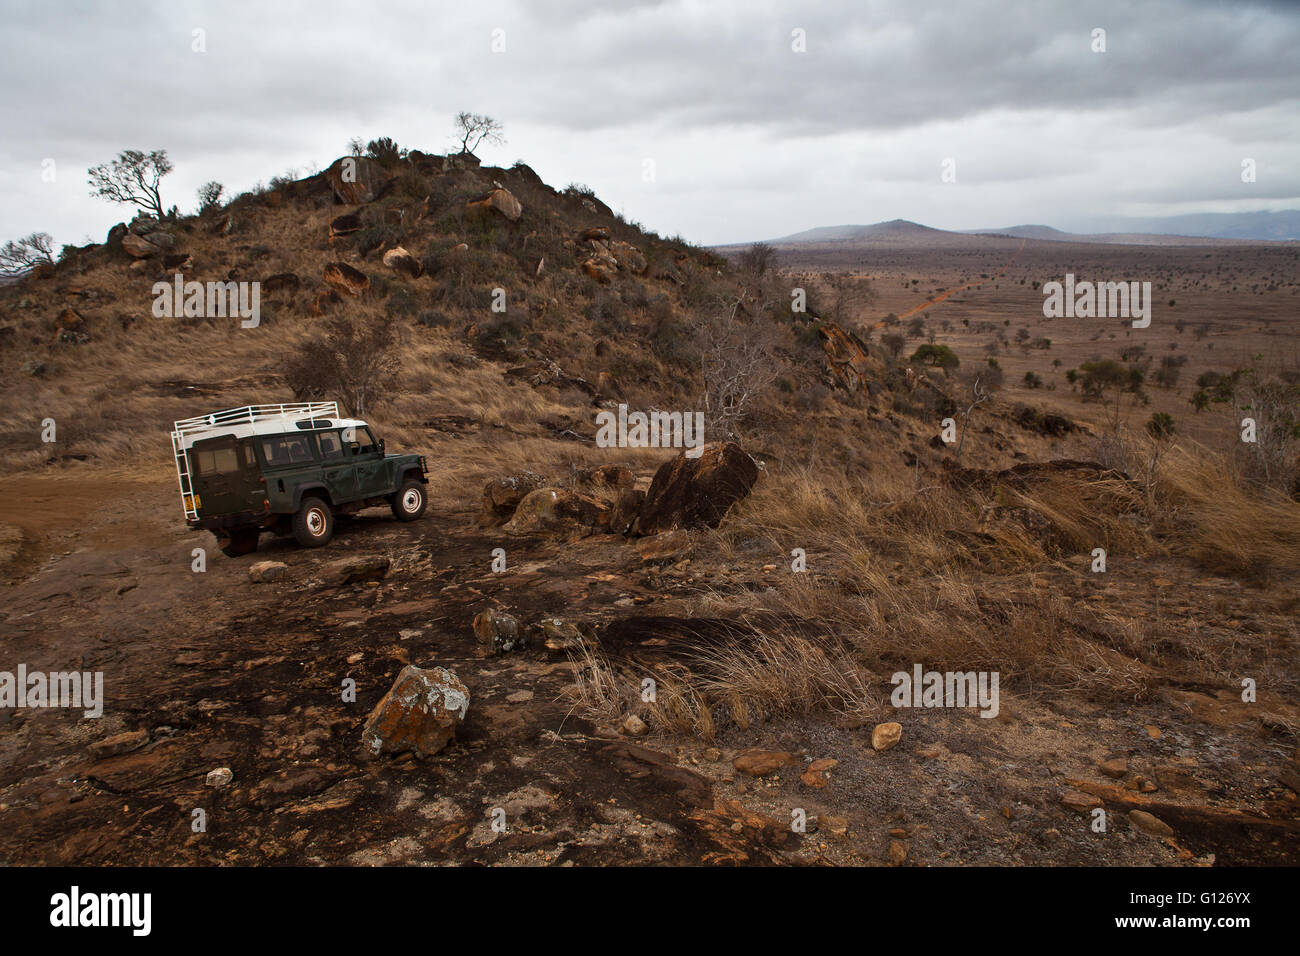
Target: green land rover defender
x,y
287,469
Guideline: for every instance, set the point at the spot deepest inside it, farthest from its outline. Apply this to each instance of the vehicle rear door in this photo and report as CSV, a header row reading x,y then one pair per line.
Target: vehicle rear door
x,y
225,477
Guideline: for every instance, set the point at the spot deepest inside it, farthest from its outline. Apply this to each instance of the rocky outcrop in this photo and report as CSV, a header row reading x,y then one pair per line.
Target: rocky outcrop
x,y
697,492
420,713
357,180
848,361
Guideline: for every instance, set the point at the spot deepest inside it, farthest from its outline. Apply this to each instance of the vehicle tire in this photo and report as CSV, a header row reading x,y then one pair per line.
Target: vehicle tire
x,y
240,542
409,500
313,525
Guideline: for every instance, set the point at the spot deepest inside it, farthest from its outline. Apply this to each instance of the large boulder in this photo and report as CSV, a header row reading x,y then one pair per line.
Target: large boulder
x,y
357,180
140,247
501,496
345,225
502,201
558,510
419,713
344,279
399,260
695,492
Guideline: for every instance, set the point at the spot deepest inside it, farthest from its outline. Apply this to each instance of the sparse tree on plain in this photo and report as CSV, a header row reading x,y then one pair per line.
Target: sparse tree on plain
x,y
132,179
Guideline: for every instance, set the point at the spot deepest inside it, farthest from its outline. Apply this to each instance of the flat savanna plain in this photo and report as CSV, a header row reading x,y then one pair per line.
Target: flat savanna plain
x,y
1119,691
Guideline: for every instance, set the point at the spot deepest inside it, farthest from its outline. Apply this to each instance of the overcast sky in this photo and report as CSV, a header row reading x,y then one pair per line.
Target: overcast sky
x,y
692,118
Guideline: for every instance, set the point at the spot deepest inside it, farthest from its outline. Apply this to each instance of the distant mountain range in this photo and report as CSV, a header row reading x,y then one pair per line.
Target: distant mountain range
x,y
1282,225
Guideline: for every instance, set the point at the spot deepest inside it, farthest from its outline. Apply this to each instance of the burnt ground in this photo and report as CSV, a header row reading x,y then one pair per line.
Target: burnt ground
x,y
224,673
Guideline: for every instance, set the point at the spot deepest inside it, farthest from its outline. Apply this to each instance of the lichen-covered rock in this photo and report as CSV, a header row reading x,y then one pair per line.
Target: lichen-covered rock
x,y
420,713
498,631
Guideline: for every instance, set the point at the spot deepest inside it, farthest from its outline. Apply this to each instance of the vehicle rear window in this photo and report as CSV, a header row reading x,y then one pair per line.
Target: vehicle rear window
x,y
216,461
287,450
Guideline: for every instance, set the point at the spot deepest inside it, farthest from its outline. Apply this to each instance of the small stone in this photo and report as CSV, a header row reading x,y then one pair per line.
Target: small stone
x,y
1080,802
1153,732
886,736
221,777
119,743
835,826
817,774
409,634
356,658
761,763
1148,823
1114,768
264,572
897,852
498,631
713,754
633,726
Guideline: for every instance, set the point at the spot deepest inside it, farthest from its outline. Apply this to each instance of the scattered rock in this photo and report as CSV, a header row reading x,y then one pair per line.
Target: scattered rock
x,y
344,279
281,281
886,736
399,260
761,763
549,510
221,777
501,496
1148,823
1114,768
633,726
690,492
263,572
817,774
559,635
498,630
345,225
420,713
665,545
139,247
897,852
627,508
119,744
1080,802
371,567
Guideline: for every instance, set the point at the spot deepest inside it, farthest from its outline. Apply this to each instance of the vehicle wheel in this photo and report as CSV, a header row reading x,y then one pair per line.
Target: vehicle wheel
x,y
243,541
313,525
409,500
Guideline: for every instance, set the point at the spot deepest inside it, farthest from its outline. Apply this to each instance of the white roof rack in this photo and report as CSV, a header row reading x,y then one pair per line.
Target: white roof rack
x,y
263,419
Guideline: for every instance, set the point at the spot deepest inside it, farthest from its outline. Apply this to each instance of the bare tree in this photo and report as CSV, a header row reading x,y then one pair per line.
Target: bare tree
x,y
356,359
475,128
132,178
979,395
18,258
737,367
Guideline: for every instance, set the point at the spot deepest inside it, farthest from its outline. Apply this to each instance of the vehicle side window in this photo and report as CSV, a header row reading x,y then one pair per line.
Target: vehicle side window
x,y
331,447
362,438
286,450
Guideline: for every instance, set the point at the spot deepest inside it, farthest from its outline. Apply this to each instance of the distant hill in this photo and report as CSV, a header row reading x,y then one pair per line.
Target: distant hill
x,y
894,229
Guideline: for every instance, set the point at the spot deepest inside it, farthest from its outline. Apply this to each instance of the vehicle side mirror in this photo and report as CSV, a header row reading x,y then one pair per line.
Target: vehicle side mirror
x,y
381,446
